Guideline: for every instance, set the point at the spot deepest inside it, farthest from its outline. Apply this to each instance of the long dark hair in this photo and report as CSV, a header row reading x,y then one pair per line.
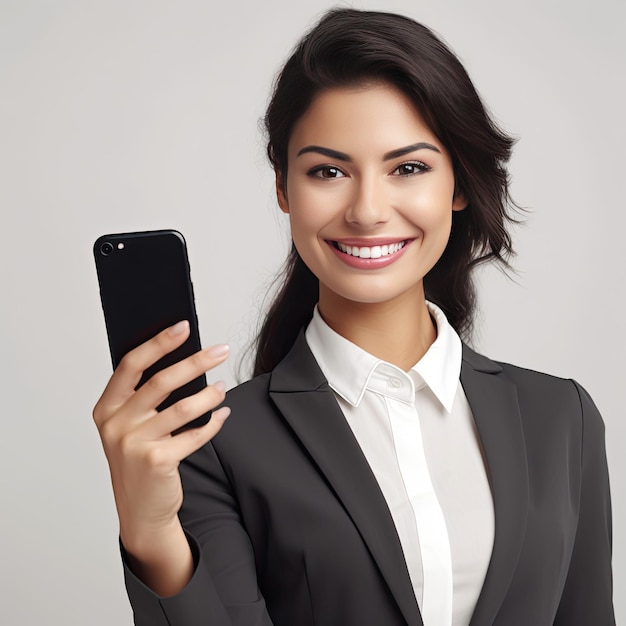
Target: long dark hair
x,y
349,47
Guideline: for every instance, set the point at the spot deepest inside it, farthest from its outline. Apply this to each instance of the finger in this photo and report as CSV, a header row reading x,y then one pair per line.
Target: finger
x,y
126,377
183,412
183,444
160,386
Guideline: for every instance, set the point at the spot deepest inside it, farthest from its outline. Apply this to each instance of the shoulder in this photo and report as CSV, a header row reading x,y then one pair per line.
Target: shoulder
x,y
520,376
540,393
250,392
254,417
251,409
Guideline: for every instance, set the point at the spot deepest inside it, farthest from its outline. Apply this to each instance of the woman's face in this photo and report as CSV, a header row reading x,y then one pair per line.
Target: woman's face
x,y
370,194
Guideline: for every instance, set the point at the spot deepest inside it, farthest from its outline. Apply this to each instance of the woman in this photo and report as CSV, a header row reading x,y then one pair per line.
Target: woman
x,y
376,470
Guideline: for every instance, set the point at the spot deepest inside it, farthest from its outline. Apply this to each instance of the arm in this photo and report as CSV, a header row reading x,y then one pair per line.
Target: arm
x,y
588,594
223,589
165,569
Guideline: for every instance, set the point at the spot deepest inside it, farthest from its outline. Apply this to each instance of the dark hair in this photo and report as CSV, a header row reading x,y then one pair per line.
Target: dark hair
x,y
350,47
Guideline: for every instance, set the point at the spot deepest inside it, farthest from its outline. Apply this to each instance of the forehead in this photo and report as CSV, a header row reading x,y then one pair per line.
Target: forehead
x,y
369,117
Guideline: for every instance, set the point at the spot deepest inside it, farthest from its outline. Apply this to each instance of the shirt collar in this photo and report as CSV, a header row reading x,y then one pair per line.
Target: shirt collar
x,y
348,368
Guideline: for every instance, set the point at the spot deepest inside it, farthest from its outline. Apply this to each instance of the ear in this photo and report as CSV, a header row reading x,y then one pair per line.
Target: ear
x,y
281,195
459,201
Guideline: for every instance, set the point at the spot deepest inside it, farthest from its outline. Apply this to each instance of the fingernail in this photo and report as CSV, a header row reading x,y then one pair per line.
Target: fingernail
x,y
220,385
219,350
179,328
222,412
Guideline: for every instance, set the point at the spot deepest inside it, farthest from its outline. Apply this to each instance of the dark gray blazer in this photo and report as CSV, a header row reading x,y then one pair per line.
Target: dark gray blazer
x,y
289,527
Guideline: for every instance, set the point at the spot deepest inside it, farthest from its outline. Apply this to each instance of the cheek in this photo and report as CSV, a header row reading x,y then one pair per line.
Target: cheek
x,y
431,211
310,212
304,224
305,234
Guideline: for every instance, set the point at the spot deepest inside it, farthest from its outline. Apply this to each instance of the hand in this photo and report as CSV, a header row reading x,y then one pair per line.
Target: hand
x,y
143,456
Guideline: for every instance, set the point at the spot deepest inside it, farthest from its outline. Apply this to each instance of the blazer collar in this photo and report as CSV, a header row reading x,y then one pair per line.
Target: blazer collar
x,y
302,395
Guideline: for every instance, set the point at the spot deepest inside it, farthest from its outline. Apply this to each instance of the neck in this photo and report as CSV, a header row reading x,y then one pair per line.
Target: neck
x,y
398,331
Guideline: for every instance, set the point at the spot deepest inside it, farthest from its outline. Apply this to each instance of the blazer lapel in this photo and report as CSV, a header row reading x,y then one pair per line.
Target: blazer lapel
x,y
494,404
302,395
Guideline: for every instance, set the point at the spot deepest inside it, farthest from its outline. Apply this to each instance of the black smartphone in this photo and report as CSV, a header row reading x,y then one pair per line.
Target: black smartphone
x,y
145,286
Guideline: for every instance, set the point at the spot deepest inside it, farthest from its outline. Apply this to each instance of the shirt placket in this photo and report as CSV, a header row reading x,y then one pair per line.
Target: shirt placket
x,y
437,591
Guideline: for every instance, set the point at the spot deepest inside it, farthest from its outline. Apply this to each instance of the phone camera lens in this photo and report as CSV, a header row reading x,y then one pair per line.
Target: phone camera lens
x,y
106,248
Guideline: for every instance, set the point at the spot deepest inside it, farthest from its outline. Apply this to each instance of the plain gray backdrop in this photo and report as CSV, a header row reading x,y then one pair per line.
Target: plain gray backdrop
x,y
119,116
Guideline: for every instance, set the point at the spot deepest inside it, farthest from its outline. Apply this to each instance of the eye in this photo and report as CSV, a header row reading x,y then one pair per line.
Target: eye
x,y
325,171
411,168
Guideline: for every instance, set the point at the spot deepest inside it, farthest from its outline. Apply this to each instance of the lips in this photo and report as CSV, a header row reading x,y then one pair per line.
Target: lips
x,y
369,254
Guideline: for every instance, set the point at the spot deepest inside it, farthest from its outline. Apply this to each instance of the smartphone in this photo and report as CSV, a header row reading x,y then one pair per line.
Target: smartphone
x,y
145,286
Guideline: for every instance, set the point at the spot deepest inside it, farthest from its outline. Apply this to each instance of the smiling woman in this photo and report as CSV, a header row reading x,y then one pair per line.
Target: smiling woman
x,y
376,470
375,194
434,88
369,202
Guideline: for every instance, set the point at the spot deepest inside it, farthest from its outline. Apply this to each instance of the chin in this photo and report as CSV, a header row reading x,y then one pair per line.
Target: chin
x,y
370,294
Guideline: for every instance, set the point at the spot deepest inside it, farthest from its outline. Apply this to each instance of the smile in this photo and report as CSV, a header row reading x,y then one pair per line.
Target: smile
x,y
370,252
383,252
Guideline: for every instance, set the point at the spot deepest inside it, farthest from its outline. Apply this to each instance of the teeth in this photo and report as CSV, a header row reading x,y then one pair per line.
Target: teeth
x,y
375,252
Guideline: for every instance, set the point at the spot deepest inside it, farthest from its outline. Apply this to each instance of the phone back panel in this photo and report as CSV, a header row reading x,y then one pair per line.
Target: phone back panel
x,y
145,286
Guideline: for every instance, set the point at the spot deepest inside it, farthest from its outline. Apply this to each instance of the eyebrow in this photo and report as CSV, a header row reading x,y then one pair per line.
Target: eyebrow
x,y
388,156
422,145
333,154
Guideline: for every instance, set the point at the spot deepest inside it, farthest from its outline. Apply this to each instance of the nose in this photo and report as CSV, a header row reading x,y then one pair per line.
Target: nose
x,y
368,206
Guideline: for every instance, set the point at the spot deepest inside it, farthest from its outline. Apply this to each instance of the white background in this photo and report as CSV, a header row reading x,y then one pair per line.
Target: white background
x,y
119,116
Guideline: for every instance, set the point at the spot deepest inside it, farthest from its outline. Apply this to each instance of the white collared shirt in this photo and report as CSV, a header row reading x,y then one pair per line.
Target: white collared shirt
x,y
418,435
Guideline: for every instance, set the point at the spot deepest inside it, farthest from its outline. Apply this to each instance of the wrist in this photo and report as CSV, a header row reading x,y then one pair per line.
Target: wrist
x,y
161,558
139,537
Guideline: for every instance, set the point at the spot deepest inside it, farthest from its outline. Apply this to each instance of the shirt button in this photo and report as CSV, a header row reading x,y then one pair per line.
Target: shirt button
x,y
394,383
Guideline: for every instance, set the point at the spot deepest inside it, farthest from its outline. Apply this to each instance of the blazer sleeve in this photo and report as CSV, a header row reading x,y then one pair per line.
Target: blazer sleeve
x,y
223,590
588,593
